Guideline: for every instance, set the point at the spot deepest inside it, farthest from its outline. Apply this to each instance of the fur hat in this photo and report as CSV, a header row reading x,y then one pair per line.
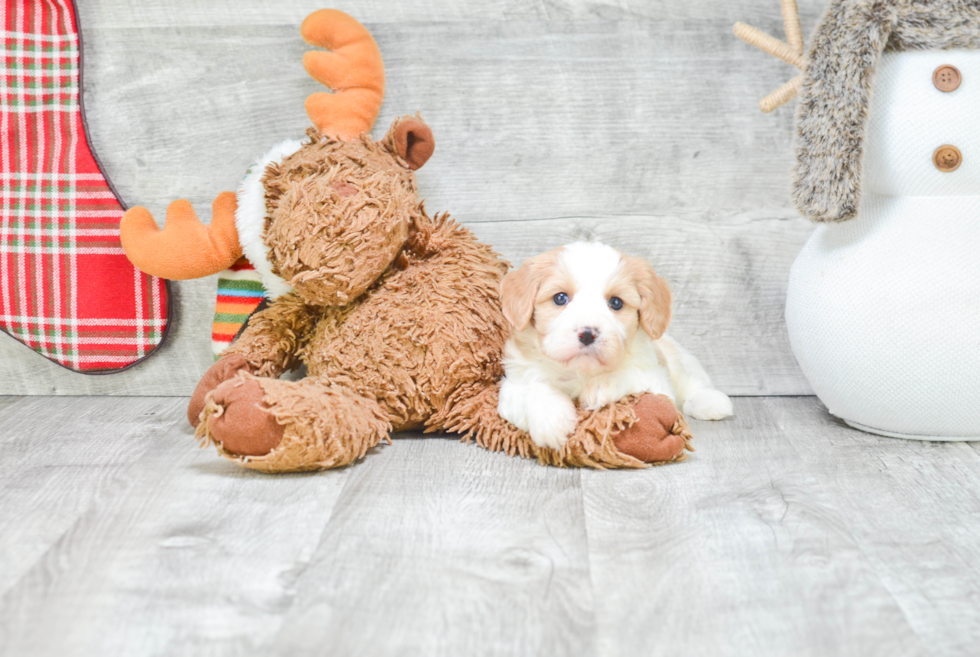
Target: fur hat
x,y
837,87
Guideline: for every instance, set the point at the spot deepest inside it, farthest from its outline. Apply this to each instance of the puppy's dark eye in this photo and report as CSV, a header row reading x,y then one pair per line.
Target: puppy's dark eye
x,y
616,303
560,299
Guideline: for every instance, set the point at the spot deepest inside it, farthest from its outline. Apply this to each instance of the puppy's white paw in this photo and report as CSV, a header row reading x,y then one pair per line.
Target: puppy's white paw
x,y
551,421
596,395
512,405
708,404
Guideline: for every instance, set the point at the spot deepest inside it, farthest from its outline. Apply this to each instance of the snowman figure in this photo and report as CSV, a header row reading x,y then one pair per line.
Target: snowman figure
x,y
883,302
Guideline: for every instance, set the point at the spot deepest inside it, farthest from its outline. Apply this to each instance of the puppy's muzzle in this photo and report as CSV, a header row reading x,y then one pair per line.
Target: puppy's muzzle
x,y
588,335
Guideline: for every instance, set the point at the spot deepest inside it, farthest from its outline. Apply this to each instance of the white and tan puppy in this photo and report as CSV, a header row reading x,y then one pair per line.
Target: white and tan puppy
x,y
588,325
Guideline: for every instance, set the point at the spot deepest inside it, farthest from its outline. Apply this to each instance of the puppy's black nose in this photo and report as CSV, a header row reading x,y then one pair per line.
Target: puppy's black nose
x,y
587,335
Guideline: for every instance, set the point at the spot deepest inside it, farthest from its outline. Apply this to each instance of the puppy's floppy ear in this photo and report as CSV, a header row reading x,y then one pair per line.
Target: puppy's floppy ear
x,y
520,289
655,297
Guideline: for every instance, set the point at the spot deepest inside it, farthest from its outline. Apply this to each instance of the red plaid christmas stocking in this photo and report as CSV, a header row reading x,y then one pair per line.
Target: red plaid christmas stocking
x,y
67,290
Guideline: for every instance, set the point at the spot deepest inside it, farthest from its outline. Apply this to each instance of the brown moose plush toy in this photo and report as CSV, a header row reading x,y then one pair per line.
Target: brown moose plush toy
x,y
395,314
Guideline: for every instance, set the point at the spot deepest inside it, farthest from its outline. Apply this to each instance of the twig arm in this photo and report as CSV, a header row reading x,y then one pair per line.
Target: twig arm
x,y
768,44
781,96
791,22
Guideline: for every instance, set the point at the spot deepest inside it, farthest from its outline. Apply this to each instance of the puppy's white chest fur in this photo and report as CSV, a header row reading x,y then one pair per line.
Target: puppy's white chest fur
x,y
641,370
538,394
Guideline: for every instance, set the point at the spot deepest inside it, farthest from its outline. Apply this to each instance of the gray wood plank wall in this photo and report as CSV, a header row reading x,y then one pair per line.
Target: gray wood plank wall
x,y
628,121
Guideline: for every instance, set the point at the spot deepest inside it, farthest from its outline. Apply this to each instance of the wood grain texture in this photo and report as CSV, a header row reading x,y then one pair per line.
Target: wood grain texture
x,y
543,111
747,550
120,537
556,114
728,301
786,533
60,456
133,13
486,556
913,509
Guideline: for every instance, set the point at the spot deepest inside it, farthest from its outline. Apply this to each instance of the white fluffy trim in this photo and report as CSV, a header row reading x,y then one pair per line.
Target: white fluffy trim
x,y
250,217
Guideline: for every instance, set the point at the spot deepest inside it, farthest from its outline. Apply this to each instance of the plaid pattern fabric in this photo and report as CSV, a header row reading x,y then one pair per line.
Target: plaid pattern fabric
x,y
240,291
66,288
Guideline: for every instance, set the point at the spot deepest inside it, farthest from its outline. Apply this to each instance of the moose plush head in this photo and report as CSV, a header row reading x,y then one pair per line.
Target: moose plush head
x,y
320,207
335,201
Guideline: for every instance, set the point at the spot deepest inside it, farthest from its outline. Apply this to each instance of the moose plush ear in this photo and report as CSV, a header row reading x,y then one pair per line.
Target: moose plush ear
x,y
412,140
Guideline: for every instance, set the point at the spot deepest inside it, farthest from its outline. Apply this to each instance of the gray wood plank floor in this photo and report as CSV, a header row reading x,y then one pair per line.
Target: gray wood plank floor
x,y
786,533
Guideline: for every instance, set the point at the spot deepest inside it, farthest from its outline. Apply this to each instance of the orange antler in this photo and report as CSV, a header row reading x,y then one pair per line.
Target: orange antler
x,y
185,248
353,70
791,52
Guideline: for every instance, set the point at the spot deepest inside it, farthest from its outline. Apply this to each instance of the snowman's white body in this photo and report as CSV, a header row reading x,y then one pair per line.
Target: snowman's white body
x,y
883,311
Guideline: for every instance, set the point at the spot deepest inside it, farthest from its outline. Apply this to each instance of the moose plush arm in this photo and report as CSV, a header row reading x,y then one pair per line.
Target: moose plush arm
x,y
271,343
269,347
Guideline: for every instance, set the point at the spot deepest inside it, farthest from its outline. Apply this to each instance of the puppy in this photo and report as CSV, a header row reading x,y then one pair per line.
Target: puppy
x,y
588,325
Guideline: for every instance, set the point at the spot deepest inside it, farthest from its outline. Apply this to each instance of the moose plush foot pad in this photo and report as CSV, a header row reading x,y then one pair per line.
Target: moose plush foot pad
x,y
240,420
660,433
67,290
289,426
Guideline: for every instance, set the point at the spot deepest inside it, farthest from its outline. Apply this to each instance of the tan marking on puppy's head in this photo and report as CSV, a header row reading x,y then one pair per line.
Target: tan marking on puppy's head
x,y
654,298
521,287
623,285
606,298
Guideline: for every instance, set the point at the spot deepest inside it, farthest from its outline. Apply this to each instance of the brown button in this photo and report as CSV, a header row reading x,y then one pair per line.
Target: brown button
x,y
947,158
947,78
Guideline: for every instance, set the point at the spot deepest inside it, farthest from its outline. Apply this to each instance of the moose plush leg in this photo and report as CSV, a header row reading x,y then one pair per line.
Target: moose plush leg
x,y
631,433
286,426
659,435
224,369
67,290
635,431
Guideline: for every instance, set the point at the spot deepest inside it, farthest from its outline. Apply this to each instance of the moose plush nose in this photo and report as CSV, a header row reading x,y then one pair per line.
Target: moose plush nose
x,y
587,335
